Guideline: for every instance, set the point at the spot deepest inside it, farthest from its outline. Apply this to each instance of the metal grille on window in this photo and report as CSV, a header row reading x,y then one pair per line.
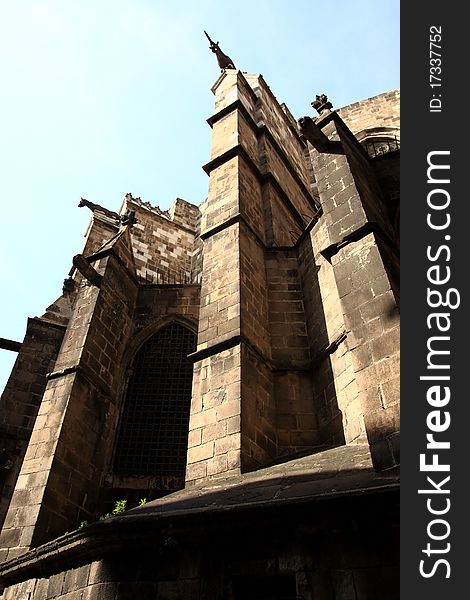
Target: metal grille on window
x,y
383,146
154,426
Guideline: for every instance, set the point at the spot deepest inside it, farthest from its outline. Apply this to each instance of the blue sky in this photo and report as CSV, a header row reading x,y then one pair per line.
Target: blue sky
x,y
100,98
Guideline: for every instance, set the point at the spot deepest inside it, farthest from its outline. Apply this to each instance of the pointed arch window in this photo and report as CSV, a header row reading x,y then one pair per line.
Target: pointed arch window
x,y
153,432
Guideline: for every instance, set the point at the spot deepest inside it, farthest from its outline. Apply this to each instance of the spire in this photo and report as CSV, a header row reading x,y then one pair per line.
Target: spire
x,y
225,62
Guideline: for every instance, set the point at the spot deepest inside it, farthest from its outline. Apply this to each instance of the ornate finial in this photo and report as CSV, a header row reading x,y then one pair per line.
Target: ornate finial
x,y
225,62
321,104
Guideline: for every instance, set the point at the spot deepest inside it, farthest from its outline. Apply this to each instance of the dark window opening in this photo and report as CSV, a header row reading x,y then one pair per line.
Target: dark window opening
x,y
153,432
381,146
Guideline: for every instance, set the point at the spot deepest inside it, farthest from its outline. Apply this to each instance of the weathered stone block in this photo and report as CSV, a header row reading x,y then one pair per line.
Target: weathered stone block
x,y
100,591
202,452
218,465
196,471
56,584
386,345
195,437
203,418
214,431
228,409
76,579
227,443
391,391
40,590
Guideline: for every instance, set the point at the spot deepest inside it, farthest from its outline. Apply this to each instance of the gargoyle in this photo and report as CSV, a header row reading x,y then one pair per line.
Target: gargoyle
x,y
92,206
225,62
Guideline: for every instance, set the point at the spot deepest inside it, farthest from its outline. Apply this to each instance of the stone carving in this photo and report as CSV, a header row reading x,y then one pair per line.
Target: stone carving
x,y
87,270
312,132
225,62
155,209
92,206
68,286
320,104
127,219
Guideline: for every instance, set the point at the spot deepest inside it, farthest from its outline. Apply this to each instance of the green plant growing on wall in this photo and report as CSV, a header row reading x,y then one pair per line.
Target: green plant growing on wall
x,y
119,507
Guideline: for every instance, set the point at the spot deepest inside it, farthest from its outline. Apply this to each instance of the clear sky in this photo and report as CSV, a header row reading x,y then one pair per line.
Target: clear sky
x,y
103,97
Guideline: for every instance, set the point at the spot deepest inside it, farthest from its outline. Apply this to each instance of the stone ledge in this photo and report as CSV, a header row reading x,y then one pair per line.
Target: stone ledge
x,y
337,473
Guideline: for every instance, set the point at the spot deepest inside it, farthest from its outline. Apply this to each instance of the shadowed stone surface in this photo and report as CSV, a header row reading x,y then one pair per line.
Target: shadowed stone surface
x,y
287,275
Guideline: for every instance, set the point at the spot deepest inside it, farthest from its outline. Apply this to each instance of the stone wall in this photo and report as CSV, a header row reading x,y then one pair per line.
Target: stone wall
x,y
351,198
306,551
163,241
267,261
379,111
65,475
60,477
21,399
297,334
251,302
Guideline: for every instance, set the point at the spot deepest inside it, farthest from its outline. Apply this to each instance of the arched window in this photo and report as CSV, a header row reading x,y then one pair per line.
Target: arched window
x,y
378,141
153,432
378,146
